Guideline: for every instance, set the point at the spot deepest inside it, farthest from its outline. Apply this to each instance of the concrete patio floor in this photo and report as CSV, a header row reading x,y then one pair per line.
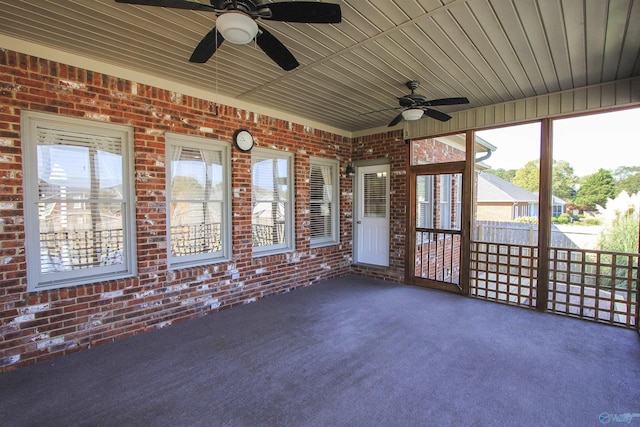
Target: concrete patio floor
x,y
349,351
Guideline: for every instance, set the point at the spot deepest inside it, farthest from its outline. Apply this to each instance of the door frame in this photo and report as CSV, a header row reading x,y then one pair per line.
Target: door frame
x,y
465,224
357,206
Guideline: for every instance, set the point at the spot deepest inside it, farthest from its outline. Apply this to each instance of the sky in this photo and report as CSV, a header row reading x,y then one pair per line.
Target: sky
x,y
588,143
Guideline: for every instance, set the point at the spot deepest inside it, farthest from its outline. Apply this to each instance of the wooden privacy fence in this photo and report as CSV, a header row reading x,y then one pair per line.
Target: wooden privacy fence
x,y
527,234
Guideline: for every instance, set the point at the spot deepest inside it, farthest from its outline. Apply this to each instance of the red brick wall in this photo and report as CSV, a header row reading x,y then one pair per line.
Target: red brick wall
x,y
42,325
431,150
439,259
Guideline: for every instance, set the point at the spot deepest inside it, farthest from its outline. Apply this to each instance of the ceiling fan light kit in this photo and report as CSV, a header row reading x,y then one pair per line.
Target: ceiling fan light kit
x,y
237,27
412,114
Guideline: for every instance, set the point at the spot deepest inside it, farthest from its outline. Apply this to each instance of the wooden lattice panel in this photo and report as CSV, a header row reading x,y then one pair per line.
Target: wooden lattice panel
x,y
595,285
504,273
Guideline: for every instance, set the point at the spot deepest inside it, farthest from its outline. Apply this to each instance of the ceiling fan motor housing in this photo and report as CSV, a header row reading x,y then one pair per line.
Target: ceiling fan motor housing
x,y
413,84
412,100
246,6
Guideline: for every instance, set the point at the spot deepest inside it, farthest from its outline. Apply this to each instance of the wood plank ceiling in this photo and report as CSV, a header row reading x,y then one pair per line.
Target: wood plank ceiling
x,y
490,51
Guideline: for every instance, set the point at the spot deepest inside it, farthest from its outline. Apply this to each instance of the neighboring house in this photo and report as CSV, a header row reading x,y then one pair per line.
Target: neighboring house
x,y
558,207
500,200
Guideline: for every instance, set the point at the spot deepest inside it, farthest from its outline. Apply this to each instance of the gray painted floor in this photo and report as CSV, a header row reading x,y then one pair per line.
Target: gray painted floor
x,y
350,351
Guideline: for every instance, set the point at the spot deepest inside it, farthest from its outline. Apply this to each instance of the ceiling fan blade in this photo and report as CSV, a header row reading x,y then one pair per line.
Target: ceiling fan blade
x,y
177,4
438,115
309,12
276,50
207,47
446,101
396,120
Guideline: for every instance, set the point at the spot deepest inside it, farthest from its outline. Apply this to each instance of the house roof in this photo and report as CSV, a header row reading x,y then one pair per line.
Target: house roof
x,y
492,188
491,51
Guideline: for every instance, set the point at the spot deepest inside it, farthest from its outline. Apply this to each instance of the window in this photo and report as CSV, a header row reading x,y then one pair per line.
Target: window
x,y
424,196
272,201
456,223
445,191
325,202
198,194
376,195
444,199
79,210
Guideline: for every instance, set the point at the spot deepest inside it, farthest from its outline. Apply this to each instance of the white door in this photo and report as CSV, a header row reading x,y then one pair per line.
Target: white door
x,y
372,216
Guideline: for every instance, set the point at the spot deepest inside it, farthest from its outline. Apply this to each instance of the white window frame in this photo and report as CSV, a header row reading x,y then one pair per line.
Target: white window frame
x,y
426,205
31,122
260,154
334,237
180,140
444,201
457,224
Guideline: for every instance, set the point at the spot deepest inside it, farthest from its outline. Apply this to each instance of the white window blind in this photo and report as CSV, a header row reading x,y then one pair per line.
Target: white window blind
x,y
424,205
375,195
324,202
444,199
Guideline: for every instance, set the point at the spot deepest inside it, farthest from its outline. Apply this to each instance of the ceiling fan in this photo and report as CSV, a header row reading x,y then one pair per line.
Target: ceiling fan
x,y
236,23
415,105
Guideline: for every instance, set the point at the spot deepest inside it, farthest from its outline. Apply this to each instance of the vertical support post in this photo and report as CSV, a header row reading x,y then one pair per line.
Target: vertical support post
x,y
468,183
410,221
544,228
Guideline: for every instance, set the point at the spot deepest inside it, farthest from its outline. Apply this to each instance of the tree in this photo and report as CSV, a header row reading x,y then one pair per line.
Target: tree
x,y
505,174
595,190
527,177
624,172
563,178
628,179
630,184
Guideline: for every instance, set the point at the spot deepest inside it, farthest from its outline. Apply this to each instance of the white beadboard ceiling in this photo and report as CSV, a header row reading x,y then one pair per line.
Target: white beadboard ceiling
x,y
490,51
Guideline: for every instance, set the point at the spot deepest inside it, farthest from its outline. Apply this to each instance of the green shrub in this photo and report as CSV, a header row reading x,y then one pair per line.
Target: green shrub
x,y
592,221
527,220
622,236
